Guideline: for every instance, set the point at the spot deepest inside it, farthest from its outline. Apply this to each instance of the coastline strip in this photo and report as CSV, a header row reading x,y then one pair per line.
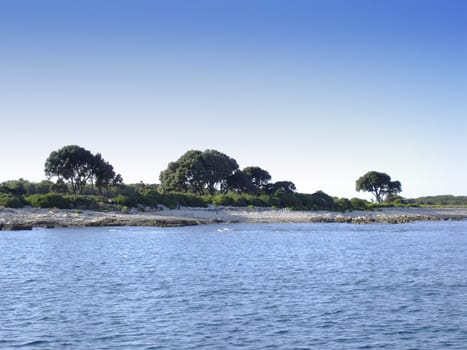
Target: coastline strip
x,y
28,218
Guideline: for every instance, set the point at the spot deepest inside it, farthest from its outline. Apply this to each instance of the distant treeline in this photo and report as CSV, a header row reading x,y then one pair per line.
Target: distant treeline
x,y
47,194
444,200
84,180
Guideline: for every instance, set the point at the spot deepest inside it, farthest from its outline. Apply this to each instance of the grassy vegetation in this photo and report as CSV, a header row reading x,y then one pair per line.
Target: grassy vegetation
x,y
20,193
440,201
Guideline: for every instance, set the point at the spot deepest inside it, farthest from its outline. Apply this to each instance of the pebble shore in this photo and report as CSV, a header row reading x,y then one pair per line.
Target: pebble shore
x,y
28,218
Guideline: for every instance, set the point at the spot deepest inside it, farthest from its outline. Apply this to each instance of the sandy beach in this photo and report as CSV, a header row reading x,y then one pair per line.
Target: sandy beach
x,y
27,218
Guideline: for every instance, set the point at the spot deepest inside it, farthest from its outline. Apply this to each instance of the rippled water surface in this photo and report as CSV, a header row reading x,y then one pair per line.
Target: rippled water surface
x,y
262,286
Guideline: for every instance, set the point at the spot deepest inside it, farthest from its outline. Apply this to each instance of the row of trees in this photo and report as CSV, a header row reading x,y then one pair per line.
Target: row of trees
x,y
205,174
211,172
202,173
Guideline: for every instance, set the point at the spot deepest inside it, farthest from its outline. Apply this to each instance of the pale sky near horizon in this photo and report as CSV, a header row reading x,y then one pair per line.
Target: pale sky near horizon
x,y
316,92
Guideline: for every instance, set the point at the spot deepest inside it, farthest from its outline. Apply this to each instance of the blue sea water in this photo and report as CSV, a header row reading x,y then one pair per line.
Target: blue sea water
x,y
239,286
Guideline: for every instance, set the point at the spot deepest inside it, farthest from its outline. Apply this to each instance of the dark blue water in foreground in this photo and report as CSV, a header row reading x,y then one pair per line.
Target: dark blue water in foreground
x,y
274,286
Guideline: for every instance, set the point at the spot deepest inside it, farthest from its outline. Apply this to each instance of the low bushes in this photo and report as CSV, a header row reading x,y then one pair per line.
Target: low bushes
x,y
86,202
59,201
359,204
125,200
152,198
9,201
238,200
49,200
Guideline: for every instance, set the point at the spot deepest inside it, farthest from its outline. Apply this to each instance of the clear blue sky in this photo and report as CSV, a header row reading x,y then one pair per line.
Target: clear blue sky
x,y
316,92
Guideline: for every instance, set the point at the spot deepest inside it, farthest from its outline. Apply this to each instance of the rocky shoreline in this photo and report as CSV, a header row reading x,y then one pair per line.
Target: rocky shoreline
x,y
29,218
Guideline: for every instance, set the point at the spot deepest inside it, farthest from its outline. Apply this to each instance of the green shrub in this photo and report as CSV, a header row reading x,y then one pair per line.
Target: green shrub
x,y
125,200
85,202
239,200
9,201
150,197
257,201
191,200
49,200
72,201
290,200
269,201
343,204
221,199
385,205
169,200
359,204
317,201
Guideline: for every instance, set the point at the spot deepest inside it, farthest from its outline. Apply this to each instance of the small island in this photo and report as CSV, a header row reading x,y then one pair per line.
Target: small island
x,y
201,187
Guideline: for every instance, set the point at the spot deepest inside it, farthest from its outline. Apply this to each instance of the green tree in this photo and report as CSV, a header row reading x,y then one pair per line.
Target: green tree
x,y
16,187
240,182
71,163
198,172
184,175
217,168
79,166
379,184
104,174
322,201
43,187
281,186
259,177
